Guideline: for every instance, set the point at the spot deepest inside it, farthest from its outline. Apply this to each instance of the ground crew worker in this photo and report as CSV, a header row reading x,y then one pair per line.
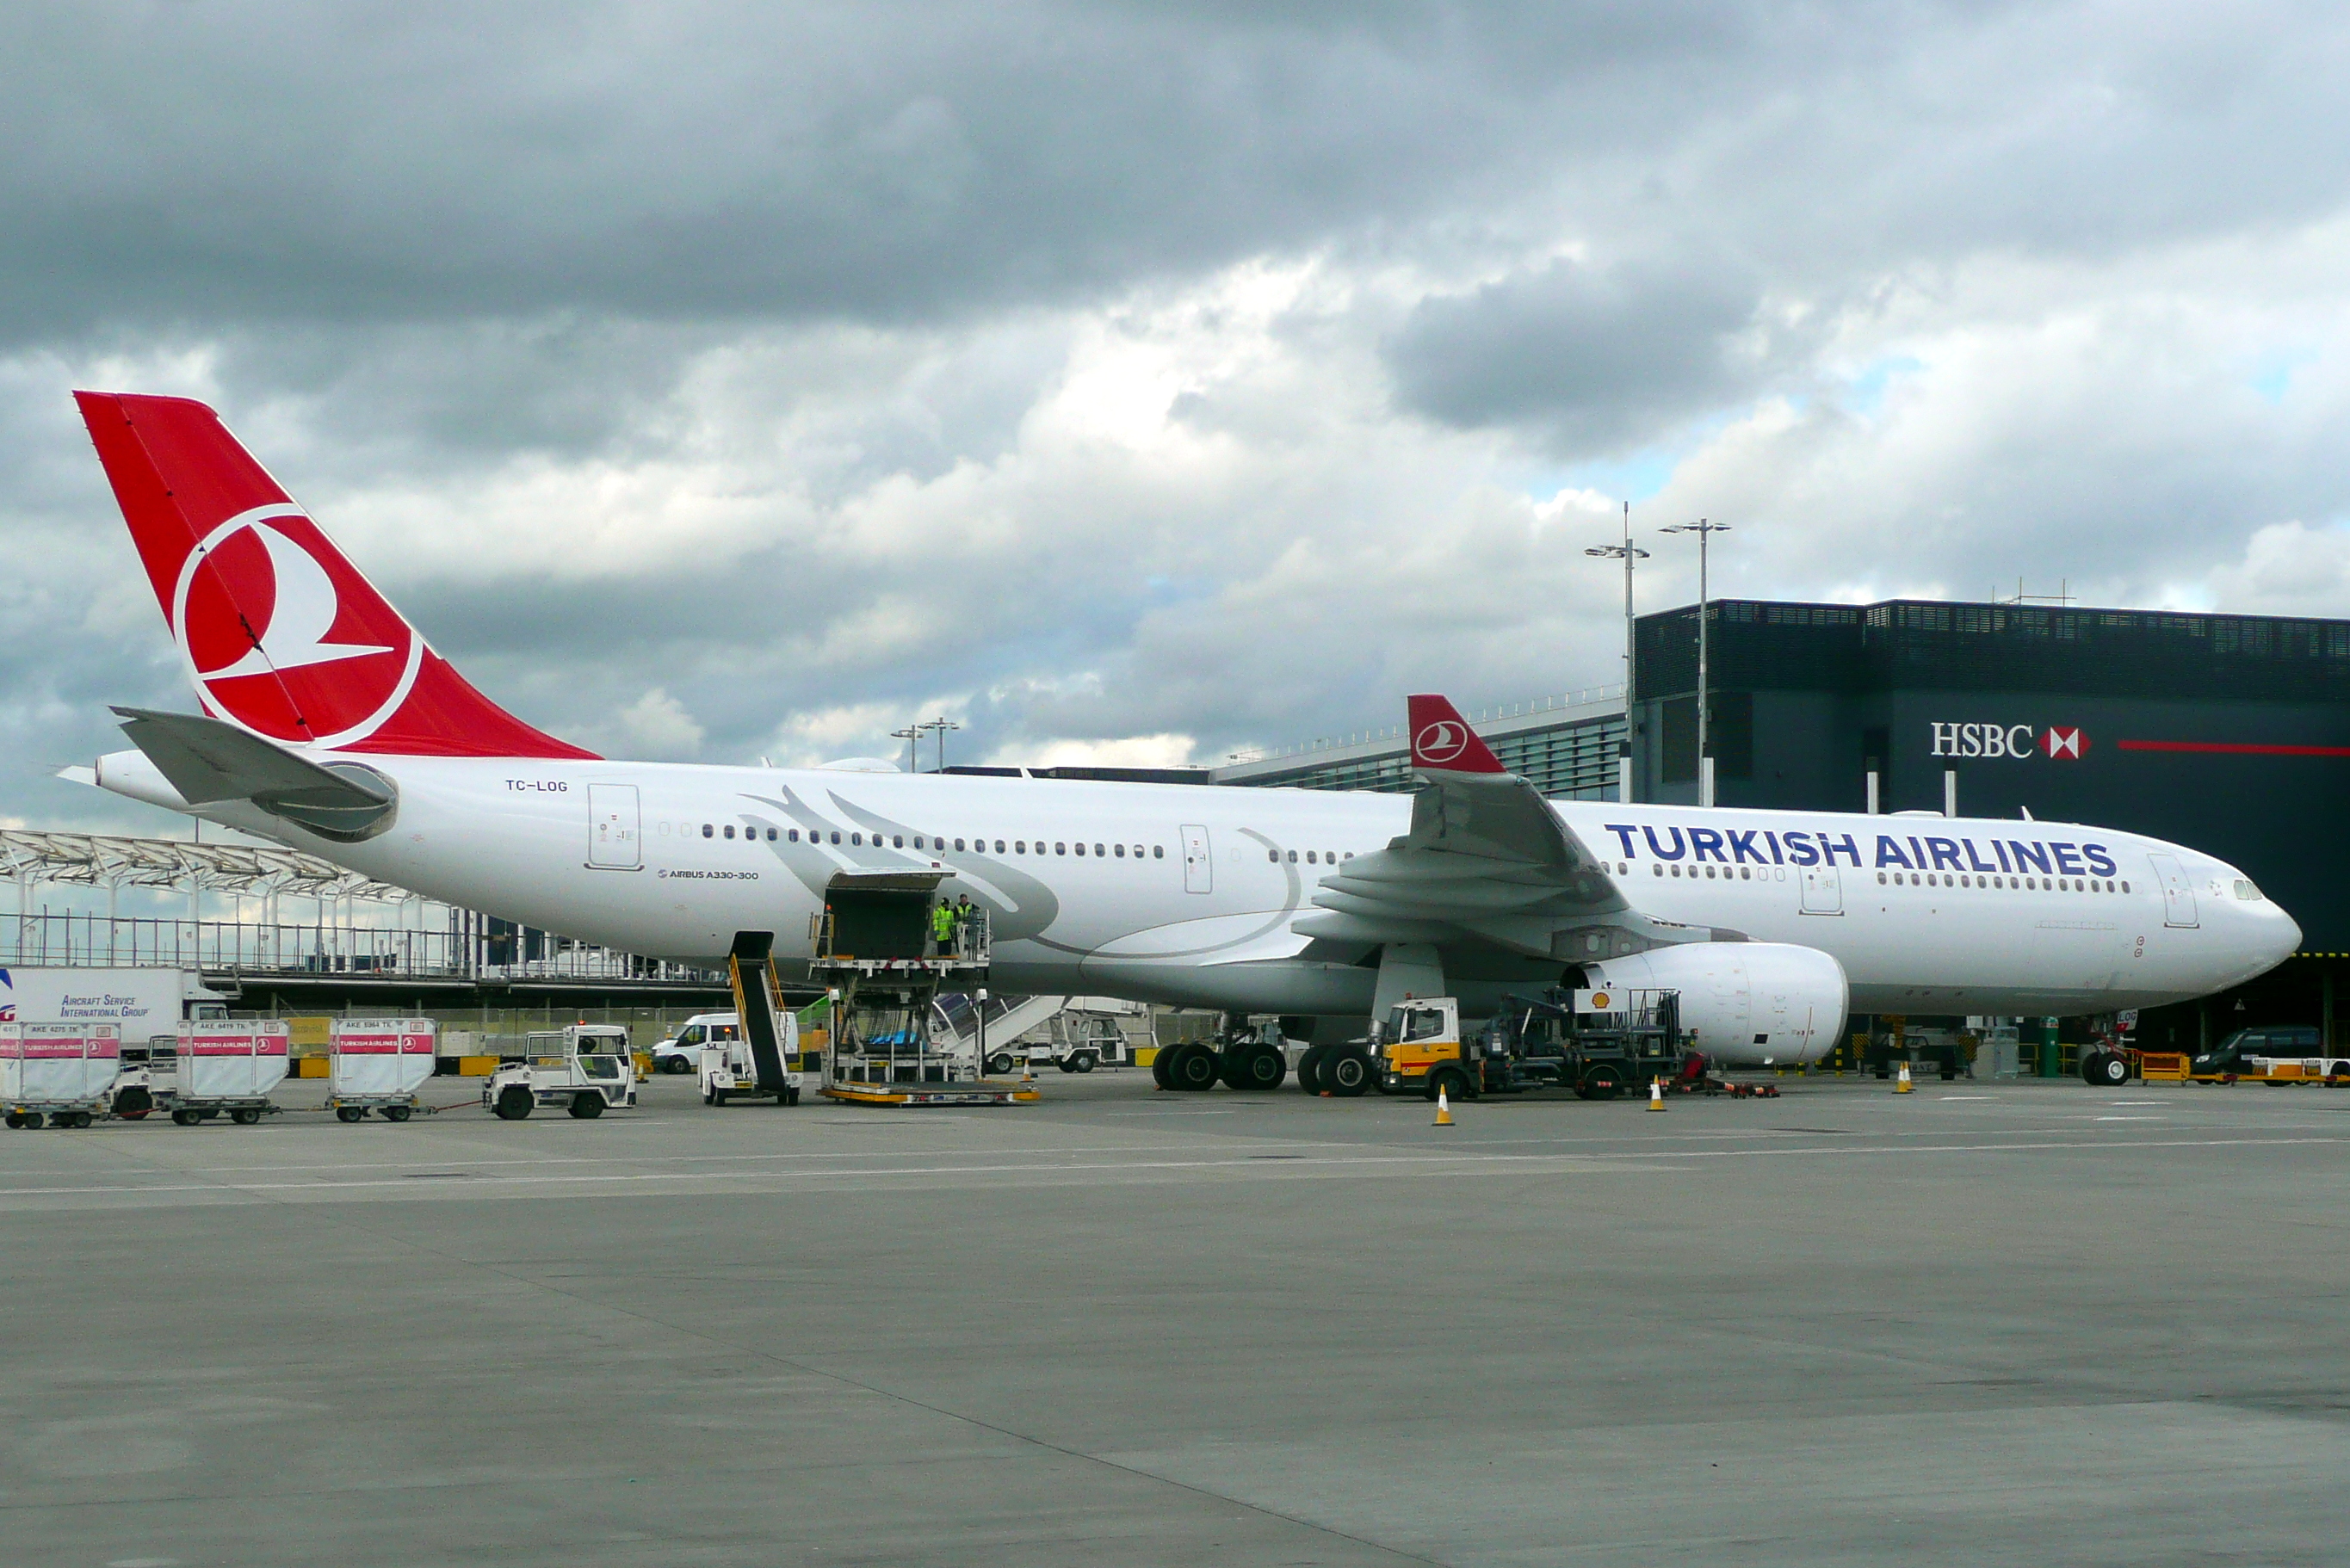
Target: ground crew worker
x,y
942,928
965,913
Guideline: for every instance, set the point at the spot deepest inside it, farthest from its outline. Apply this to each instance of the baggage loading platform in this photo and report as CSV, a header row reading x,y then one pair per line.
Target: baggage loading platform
x,y
883,969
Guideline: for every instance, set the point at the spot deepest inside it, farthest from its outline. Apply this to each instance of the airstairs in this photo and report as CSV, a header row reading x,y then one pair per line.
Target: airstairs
x,y
1000,1019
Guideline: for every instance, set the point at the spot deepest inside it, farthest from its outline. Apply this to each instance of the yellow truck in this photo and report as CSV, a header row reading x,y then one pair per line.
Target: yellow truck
x,y
1596,1042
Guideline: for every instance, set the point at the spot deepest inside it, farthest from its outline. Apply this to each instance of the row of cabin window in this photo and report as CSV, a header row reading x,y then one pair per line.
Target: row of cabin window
x,y
1328,857
2036,884
936,844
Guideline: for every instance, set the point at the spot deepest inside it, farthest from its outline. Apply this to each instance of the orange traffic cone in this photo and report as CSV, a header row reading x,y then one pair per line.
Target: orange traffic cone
x,y
1905,1086
1656,1093
1443,1108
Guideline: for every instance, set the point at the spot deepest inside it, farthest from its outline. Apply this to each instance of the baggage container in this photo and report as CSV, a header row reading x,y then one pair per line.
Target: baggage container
x,y
228,1067
377,1065
60,1074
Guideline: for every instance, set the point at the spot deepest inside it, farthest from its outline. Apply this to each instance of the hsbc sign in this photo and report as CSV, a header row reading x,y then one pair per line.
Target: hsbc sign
x,y
2059,743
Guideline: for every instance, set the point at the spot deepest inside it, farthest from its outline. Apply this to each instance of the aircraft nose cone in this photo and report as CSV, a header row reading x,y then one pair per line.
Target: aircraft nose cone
x,y
2285,941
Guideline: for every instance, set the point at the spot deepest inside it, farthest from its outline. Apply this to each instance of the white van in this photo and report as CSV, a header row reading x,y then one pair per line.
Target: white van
x,y
681,1052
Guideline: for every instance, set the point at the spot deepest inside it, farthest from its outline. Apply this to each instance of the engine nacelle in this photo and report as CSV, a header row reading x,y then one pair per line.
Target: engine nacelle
x,y
1752,1004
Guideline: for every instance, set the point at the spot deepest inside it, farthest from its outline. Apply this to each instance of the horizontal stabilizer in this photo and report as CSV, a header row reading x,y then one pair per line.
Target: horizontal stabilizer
x,y
211,763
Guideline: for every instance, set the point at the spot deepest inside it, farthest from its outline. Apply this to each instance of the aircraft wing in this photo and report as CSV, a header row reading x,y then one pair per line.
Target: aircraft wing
x,y
1486,859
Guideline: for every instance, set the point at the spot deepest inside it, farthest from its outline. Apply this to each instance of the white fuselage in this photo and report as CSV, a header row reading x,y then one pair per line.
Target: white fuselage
x,y
1196,910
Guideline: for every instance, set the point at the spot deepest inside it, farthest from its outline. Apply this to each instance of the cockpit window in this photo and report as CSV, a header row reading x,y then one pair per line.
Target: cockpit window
x,y
2246,891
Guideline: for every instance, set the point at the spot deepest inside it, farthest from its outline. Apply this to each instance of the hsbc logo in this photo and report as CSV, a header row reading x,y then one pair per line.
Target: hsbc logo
x,y
2058,742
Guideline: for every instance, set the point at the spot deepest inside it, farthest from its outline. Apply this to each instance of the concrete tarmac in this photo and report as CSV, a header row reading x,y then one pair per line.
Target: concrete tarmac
x,y
2022,1323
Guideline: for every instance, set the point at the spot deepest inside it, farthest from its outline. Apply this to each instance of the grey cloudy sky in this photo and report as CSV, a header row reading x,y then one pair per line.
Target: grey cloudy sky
x,y
1143,381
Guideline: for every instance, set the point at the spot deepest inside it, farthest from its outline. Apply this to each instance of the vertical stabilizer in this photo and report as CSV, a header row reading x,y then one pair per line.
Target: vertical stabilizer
x,y
279,632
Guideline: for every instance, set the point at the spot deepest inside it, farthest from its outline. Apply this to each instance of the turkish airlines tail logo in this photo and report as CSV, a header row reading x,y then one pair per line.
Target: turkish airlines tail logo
x,y
1443,739
279,631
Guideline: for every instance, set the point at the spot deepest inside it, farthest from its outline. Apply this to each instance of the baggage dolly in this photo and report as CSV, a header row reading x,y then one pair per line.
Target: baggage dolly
x,y
58,1075
227,1069
376,1065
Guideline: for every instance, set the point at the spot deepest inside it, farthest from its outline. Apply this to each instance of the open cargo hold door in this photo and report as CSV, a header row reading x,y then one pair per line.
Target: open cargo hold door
x,y
759,1005
879,914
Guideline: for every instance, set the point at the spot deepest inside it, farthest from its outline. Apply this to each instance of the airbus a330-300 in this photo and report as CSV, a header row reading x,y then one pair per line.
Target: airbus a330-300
x,y
330,725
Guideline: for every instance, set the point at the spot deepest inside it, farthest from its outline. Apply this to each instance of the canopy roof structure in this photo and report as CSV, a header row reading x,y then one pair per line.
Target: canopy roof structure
x,y
101,860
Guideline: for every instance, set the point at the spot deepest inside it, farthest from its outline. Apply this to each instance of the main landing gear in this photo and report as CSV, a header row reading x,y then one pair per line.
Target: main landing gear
x,y
1250,1060
1344,1070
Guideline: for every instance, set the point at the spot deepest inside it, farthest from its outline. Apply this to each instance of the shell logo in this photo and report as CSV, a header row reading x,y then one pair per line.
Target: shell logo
x,y
1599,1001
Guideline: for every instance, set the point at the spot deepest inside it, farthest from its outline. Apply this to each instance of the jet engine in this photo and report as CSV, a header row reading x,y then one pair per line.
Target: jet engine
x,y
1752,1004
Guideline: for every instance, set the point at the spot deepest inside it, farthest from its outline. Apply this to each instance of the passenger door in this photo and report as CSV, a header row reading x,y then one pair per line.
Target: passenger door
x,y
1822,890
1199,865
2178,892
613,841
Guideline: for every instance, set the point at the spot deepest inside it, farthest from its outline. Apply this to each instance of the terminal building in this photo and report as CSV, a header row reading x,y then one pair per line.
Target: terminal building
x,y
2231,734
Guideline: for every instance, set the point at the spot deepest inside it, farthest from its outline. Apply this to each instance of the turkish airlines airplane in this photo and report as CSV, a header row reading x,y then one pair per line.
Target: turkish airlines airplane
x,y
330,725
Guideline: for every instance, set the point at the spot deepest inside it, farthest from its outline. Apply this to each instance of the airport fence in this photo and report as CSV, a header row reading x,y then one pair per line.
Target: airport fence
x,y
249,948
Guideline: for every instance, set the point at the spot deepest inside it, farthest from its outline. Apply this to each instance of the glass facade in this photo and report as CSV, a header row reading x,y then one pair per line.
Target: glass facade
x,y
1573,759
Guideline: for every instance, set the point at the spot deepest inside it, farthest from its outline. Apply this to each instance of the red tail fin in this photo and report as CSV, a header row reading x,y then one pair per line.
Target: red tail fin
x,y
279,632
1443,739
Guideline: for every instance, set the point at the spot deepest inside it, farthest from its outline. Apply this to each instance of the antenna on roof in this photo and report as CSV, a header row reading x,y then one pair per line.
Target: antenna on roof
x,y
2063,595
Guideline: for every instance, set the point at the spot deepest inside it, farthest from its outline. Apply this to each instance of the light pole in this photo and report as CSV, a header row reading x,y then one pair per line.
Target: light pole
x,y
1705,532
1630,552
941,725
910,734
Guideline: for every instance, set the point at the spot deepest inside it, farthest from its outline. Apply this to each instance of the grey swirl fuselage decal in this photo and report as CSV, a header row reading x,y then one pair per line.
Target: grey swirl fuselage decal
x,y
1020,908
1291,896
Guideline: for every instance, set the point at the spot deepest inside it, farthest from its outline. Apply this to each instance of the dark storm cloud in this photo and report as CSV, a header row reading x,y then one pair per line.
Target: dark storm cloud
x,y
200,162
1592,358
729,365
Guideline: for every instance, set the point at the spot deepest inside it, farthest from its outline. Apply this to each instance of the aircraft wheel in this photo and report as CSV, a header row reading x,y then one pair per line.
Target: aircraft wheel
x,y
513,1102
1347,1074
1309,1068
586,1105
1194,1069
1160,1059
1257,1068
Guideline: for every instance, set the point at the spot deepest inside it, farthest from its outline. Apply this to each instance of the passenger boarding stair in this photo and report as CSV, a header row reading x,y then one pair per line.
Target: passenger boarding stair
x,y
1006,1017
759,1003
